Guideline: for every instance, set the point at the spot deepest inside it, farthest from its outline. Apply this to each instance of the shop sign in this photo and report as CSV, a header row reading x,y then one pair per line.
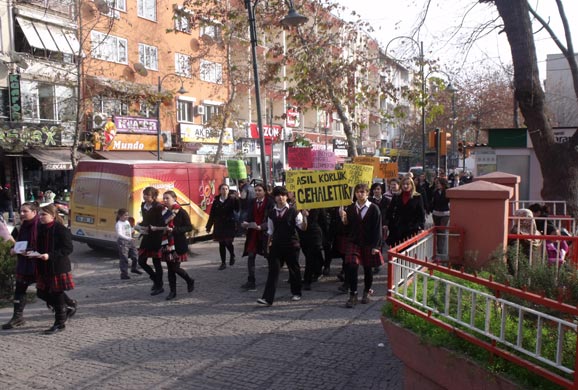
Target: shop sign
x,y
135,125
15,97
20,137
292,117
202,134
270,133
60,166
135,142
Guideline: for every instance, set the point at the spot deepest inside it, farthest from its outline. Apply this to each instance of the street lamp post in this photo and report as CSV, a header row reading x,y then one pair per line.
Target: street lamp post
x,y
423,90
292,19
181,91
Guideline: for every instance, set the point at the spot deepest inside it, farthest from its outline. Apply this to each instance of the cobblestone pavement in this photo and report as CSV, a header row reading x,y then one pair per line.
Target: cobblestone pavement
x,y
214,338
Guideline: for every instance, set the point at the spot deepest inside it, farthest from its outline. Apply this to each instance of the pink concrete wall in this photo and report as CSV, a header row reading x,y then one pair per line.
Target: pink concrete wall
x,y
481,209
505,179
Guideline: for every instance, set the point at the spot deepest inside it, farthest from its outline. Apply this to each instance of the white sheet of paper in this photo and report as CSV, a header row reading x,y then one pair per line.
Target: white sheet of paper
x,y
20,246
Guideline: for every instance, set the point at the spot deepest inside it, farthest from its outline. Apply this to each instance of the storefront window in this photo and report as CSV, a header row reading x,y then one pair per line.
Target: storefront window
x,y
47,102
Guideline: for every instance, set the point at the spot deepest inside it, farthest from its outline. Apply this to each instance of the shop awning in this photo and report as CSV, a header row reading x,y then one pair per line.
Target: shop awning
x,y
127,155
50,37
54,159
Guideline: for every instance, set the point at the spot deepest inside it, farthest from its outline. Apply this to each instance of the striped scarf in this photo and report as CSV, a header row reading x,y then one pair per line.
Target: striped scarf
x,y
169,217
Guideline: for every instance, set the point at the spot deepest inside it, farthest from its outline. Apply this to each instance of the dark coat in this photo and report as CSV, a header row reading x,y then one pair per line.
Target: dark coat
x,y
222,218
152,217
182,225
404,220
364,232
259,237
57,242
383,204
439,201
312,238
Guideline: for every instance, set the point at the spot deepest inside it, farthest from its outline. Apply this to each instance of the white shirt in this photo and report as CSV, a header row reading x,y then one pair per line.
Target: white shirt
x,y
362,210
299,221
123,230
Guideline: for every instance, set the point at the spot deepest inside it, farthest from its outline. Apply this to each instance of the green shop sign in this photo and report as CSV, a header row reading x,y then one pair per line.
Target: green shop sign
x,y
16,137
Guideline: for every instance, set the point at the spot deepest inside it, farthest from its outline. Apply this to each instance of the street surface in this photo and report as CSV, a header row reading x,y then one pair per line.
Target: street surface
x,y
214,338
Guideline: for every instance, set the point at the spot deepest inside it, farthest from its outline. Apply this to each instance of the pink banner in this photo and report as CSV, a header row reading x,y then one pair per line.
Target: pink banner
x,y
323,160
299,157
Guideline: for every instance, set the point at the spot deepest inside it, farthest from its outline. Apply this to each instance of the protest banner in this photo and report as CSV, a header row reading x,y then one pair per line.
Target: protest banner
x,y
369,160
323,160
237,169
389,170
319,189
358,174
299,157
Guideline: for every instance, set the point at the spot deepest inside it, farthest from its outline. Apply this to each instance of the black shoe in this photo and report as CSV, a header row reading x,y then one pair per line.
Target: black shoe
x,y
351,302
55,329
158,291
191,285
124,277
232,261
13,323
172,295
249,286
365,300
222,266
326,271
136,271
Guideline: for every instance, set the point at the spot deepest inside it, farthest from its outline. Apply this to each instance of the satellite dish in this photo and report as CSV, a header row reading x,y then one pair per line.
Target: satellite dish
x,y
209,40
140,69
102,6
18,60
3,69
194,44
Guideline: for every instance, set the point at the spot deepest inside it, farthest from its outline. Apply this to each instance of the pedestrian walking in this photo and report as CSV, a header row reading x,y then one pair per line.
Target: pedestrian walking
x,y
222,221
150,245
54,243
405,214
256,225
283,246
440,209
126,244
175,244
363,220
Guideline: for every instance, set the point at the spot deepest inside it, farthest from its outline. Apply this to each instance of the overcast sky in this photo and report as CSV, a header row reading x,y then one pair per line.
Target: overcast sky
x,y
391,18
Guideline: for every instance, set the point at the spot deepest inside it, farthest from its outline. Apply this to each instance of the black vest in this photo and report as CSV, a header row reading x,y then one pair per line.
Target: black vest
x,y
284,228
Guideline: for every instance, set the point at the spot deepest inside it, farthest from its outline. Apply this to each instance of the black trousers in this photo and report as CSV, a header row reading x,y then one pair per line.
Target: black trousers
x,y
174,269
313,264
156,275
290,256
351,271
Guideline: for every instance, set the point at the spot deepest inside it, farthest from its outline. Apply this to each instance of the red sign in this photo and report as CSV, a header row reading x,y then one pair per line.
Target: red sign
x,y
299,157
270,133
292,117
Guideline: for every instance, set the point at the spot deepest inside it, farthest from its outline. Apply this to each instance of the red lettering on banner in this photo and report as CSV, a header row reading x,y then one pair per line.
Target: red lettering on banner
x,y
271,133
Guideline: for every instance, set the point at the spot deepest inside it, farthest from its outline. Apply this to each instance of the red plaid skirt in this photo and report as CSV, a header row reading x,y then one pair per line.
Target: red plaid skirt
x,y
55,283
155,254
26,279
174,257
355,254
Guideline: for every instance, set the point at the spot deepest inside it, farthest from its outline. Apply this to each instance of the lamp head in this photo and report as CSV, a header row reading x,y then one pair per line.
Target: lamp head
x,y
293,18
182,90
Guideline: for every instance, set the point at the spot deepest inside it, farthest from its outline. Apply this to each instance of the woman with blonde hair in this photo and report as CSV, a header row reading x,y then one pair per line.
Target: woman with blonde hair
x,y
405,214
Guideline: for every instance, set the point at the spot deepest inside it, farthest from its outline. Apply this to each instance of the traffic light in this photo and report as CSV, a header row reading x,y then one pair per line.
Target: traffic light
x,y
446,141
433,139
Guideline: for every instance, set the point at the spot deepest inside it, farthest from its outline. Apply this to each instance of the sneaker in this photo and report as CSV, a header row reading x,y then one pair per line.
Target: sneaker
x,y
124,277
352,301
222,266
136,271
249,286
296,298
262,301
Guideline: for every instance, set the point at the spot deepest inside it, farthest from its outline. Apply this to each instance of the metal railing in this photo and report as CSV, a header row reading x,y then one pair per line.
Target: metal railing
x,y
474,309
556,207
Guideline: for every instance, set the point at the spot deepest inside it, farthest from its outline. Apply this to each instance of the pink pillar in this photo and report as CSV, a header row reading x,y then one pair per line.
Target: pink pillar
x,y
481,209
505,179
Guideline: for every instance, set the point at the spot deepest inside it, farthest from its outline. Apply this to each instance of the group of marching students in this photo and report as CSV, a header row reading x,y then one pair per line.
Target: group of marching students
x,y
274,228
